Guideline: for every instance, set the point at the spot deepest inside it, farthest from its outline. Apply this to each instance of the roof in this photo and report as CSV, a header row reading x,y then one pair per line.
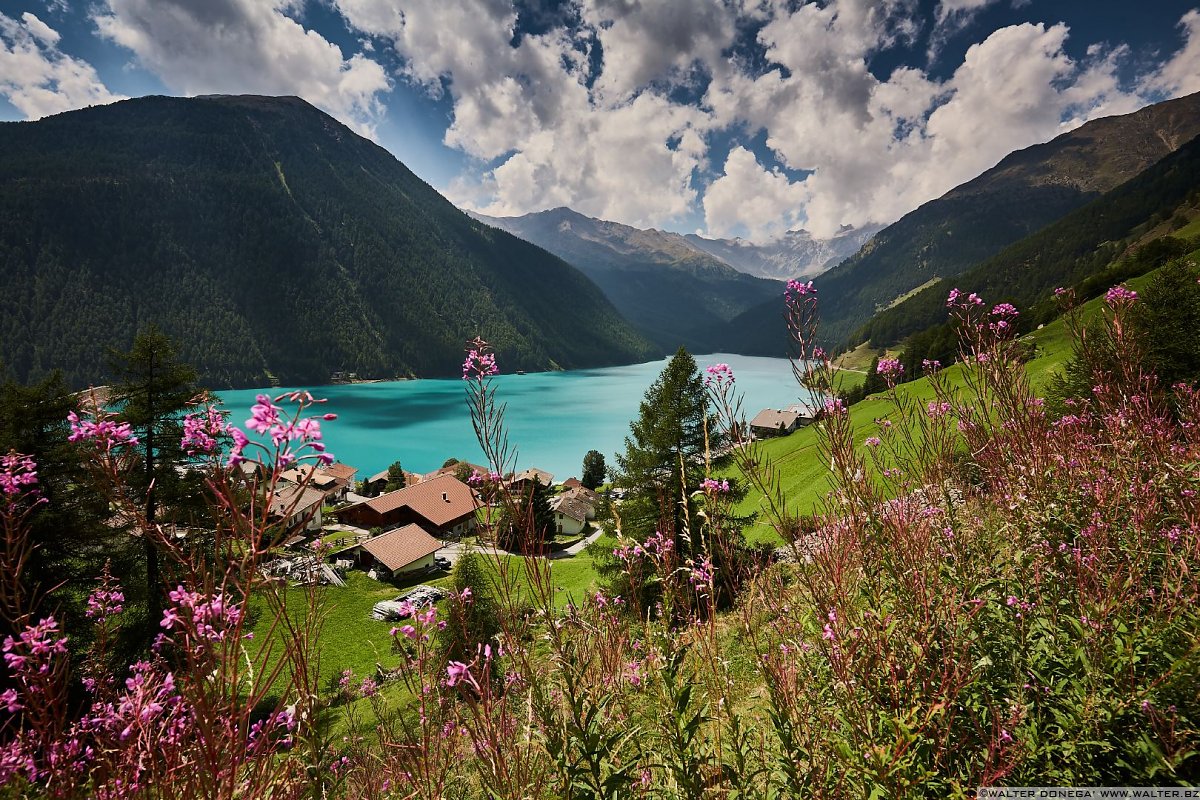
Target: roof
x,y
410,478
343,472
573,507
572,483
452,469
401,547
440,500
804,410
775,419
584,494
309,475
533,474
289,500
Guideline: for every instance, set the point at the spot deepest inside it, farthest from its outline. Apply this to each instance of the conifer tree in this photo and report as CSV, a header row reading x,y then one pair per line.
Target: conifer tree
x,y
594,469
663,462
152,390
395,478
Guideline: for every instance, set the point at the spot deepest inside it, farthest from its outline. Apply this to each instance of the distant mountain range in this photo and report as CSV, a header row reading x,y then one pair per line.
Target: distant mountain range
x,y
1028,190
274,244
677,289
796,254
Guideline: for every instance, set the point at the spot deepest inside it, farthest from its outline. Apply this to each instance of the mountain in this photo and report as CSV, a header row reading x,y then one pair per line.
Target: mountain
x,y
671,290
796,254
1067,252
271,242
1026,191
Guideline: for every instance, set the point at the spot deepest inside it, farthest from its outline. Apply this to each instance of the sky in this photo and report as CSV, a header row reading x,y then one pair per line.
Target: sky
x,y
722,117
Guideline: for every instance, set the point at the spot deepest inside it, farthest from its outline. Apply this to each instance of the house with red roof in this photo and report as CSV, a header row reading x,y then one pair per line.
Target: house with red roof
x,y
443,506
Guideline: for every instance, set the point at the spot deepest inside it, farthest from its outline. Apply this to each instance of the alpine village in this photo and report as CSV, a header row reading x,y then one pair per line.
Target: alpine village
x,y
524,399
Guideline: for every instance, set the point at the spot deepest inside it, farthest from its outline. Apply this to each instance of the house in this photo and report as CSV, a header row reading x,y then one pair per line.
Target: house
x,y
572,483
570,514
524,480
378,482
404,549
297,506
343,474
587,496
310,477
775,422
443,506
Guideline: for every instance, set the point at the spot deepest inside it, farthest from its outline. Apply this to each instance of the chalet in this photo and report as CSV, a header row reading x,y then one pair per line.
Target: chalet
x,y
343,474
572,483
404,549
776,422
443,506
587,496
524,480
377,482
570,514
297,507
310,477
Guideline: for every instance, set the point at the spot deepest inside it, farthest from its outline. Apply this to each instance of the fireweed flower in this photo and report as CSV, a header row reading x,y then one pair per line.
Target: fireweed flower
x,y
479,364
891,369
712,486
17,473
201,431
99,429
719,375
1119,296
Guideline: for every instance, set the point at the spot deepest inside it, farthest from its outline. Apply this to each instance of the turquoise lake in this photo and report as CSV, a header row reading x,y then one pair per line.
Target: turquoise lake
x,y
553,418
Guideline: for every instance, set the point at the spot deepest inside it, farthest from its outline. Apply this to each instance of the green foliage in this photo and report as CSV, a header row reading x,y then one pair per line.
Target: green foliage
x,y
526,525
152,390
1076,247
471,622
71,537
395,477
1165,324
664,454
594,469
269,241
1168,319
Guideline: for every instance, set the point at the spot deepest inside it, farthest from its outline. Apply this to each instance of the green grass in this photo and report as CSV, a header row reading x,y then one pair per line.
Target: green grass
x,y
804,475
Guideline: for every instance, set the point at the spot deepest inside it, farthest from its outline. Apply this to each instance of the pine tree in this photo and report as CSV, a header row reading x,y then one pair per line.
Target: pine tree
x,y
531,522
71,539
663,462
152,390
594,469
395,478
1168,317
471,622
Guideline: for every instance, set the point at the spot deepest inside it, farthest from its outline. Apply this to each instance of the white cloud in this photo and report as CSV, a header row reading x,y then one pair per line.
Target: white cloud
x,y
645,42
245,47
609,151
878,149
588,115
749,199
37,78
1180,74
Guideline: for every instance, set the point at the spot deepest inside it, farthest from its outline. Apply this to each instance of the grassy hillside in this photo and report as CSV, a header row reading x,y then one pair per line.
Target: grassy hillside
x,y
804,474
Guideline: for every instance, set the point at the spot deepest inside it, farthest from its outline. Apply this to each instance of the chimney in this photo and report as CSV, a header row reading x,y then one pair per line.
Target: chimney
x,y
445,497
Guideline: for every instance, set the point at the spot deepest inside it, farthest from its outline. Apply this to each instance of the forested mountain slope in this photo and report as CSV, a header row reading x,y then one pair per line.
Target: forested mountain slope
x,y
269,240
1026,191
671,290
